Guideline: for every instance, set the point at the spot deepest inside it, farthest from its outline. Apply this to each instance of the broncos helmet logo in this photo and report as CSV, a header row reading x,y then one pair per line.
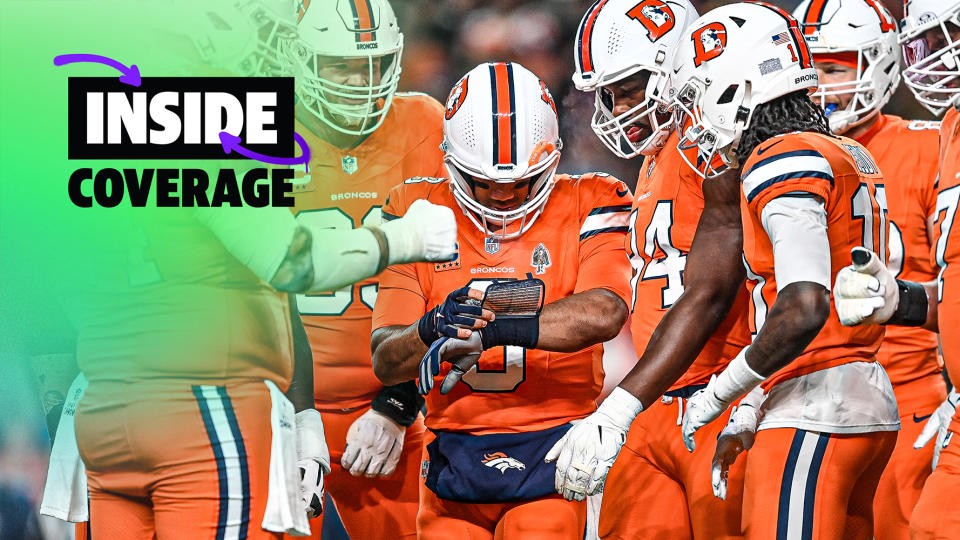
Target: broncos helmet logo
x,y
502,462
708,42
655,15
457,95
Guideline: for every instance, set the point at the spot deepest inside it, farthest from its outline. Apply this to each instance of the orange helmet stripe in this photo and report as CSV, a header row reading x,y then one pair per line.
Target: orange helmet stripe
x,y
586,33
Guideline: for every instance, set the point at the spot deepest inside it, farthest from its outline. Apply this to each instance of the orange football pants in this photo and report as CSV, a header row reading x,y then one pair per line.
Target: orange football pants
x,y
937,514
549,518
659,489
813,486
372,508
908,469
176,460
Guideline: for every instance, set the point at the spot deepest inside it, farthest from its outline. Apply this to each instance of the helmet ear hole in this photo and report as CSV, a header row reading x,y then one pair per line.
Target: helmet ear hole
x,y
727,95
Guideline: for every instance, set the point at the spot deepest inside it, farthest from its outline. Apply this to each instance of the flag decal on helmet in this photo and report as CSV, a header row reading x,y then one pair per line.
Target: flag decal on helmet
x,y
655,15
504,114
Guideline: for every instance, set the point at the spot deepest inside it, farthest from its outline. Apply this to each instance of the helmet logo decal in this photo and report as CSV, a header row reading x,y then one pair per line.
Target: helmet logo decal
x,y
708,42
887,24
655,16
504,114
547,97
363,20
584,36
302,6
457,96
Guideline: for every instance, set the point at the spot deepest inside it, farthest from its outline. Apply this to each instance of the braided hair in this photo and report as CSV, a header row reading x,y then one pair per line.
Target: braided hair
x,y
785,114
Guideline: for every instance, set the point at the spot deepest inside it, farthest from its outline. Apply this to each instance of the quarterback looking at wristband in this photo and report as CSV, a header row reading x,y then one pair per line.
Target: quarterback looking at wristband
x,y
483,465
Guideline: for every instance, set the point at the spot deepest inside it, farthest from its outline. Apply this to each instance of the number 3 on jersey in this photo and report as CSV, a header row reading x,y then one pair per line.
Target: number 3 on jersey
x,y
669,263
335,303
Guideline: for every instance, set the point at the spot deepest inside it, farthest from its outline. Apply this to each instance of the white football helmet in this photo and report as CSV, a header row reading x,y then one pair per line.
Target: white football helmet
x,y
501,126
861,27
243,36
931,72
618,39
736,57
364,29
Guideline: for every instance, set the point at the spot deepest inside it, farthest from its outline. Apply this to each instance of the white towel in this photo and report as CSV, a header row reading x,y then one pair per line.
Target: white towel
x,y
65,493
285,512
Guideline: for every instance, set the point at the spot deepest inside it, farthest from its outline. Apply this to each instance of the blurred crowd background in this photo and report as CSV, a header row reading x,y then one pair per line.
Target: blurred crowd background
x,y
443,40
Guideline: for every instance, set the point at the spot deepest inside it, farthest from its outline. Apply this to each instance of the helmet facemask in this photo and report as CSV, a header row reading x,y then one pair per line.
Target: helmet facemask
x,y
353,110
715,149
503,224
933,69
651,114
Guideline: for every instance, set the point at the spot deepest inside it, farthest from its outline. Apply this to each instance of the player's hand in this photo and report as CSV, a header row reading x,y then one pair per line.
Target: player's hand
x,y
938,425
427,232
463,353
703,407
313,459
736,437
374,443
586,452
456,317
865,292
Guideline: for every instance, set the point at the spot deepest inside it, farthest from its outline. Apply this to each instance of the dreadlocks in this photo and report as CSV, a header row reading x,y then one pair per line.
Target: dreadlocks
x,y
786,114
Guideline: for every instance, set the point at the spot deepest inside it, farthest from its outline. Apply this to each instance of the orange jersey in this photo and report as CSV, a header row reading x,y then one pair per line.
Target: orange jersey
x,y
947,247
172,303
906,152
578,242
345,189
843,175
666,211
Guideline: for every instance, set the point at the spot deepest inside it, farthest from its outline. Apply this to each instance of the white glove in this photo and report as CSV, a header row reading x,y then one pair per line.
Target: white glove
x,y
427,232
708,404
736,437
938,425
865,292
374,443
313,459
586,452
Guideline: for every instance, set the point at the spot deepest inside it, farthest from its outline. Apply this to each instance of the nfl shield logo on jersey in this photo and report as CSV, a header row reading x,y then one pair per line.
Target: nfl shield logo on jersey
x,y
491,245
349,164
540,259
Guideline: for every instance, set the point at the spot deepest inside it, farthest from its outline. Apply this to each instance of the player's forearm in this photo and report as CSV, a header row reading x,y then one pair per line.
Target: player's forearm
x,y
300,392
397,351
713,277
581,320
800,311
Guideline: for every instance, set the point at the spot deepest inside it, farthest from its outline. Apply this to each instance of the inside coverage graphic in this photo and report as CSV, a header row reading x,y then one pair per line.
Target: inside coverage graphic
x,y
180,118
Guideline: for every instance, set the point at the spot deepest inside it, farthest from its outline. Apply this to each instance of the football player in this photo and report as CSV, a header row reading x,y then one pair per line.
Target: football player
x,y
855,50
364,138
869,293
185,322
744,80
624,55
483,466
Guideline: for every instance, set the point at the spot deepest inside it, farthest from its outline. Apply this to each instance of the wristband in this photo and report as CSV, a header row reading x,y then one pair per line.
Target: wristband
x,y
912,308
400,403
384,247
519,332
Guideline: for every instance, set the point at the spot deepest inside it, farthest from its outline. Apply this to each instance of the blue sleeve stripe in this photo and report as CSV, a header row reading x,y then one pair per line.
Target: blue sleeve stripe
x,y
771,159
594,232
789,176
609,209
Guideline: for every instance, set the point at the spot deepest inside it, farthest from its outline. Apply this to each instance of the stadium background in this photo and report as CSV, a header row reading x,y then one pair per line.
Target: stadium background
x,y
443,40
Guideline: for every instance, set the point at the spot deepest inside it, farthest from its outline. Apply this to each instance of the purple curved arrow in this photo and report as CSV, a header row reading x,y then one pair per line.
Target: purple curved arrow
x,y
131,75
231,143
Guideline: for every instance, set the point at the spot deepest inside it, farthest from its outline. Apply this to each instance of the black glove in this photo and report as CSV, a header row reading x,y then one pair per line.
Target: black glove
x,y
442,320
